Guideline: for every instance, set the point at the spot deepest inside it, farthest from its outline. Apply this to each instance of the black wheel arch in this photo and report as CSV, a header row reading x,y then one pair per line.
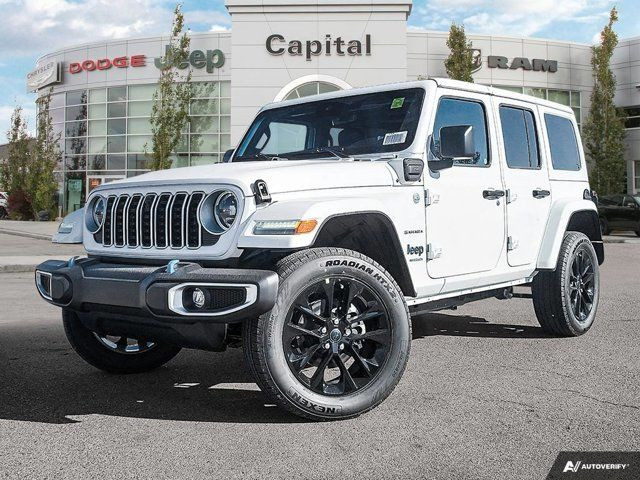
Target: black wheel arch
x,y
372,234
588,222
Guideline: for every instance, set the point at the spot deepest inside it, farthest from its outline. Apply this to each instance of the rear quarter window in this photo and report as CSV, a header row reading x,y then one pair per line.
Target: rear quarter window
x,y
562,142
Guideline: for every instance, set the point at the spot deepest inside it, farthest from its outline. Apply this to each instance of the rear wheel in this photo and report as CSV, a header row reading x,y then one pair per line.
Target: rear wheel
x,y
337,341
3,213
566,300
114,353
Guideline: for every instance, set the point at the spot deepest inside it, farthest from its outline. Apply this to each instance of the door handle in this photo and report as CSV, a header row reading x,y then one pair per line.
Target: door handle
x,y
537,193
492,194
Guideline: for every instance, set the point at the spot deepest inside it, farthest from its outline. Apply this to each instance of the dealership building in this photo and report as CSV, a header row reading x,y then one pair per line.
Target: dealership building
x,y
281,49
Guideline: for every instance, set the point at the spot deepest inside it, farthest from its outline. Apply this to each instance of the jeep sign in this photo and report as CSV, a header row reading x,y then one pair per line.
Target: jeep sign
x,y
197,59
537,64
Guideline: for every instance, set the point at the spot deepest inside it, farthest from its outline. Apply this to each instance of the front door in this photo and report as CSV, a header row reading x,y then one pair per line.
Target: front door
x,y
465,215
526,179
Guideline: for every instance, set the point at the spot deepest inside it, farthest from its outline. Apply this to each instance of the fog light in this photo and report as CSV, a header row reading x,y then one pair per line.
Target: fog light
x,y
198,298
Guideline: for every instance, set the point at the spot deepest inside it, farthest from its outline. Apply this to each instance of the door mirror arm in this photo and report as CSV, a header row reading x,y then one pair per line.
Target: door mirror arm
x,y
435,161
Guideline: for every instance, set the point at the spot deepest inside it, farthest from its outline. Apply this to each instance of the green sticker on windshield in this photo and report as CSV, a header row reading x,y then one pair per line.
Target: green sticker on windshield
x,y
397,102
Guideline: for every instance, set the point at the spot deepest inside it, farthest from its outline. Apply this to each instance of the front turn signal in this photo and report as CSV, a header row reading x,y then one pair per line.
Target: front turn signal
x,y
284,227
306,226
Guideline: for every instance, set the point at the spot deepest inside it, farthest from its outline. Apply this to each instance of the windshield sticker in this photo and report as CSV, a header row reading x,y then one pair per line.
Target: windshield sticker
x,y
397,103
395,138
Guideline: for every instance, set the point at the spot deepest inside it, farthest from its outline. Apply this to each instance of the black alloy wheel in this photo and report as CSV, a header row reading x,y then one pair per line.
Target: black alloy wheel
x,y
582,284
337,336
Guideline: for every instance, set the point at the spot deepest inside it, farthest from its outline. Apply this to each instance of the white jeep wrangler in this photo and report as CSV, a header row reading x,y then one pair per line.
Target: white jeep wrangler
x,y
335,219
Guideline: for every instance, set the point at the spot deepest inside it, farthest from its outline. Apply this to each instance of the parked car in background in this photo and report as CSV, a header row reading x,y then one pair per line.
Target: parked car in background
x,y
619,212
4,213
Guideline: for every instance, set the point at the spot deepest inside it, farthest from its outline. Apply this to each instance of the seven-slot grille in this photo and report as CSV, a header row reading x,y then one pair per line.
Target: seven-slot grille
x,y
153,220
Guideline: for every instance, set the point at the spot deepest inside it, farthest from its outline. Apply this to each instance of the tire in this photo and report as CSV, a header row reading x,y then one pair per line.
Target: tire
x,y
96,352
3,213
604,227
638,232
376,328
554,292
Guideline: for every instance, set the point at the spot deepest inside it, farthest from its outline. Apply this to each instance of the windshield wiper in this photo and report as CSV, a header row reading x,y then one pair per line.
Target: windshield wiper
x,y
258,156
337,152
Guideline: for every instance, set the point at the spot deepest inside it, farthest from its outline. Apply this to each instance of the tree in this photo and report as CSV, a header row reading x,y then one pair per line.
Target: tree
x,y
41,180
170,111
603,131
459,64
16,168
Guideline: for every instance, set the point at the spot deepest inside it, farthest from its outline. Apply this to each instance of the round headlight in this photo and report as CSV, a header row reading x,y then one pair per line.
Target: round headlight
x,y
225,210
99,207
95,213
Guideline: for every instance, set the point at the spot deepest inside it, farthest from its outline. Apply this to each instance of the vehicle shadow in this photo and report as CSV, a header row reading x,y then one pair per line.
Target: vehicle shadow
x,y
430,324
43,380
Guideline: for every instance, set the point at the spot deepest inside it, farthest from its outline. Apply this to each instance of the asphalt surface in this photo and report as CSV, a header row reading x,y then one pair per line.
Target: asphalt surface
x,y
486,395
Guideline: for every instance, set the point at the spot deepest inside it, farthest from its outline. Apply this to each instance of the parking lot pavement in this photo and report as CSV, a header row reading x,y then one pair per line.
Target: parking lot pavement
x,y
486,395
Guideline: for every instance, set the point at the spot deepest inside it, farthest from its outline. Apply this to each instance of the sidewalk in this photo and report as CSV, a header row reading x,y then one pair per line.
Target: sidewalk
x,y
24,245
39,230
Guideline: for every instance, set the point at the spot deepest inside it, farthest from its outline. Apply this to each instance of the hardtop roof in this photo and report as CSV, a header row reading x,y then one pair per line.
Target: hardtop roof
x,y
440,82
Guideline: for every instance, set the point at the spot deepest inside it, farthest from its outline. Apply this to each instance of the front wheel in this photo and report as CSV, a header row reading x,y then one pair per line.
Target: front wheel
x,y
115,354
566,300
338,338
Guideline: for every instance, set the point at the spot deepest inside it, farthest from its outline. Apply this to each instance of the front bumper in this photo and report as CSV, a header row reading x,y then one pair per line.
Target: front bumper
x,y
156,301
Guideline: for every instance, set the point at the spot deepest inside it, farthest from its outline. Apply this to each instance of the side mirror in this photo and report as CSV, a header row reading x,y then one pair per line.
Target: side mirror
x,y
456,142
226,158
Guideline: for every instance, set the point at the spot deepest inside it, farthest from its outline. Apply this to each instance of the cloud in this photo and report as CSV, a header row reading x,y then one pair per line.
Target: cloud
x,y
35,27
513,17
219,28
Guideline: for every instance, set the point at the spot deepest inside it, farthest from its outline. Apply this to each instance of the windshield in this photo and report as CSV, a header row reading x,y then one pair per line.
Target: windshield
x,y
355,125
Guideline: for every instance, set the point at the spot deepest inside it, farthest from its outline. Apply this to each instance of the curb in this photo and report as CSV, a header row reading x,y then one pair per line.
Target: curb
x,y
17,268
622,240
18,233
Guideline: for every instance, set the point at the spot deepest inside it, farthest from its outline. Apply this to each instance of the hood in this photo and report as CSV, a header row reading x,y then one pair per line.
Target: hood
x,y
281,176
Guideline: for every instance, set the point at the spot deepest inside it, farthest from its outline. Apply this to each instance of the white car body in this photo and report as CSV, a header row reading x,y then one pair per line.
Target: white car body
x,y
452,240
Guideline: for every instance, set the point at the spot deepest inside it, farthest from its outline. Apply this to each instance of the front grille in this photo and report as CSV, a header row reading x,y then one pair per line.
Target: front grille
x,y
166,220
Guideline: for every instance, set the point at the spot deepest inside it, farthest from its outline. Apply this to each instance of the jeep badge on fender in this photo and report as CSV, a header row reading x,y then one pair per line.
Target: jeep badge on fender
x,y
311,246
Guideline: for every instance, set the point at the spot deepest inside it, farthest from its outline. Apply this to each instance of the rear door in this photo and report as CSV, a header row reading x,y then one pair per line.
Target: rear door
x,y
526,180
465,217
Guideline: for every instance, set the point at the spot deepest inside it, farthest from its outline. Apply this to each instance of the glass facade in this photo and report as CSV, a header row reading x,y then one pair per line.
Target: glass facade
x,y
636,179
105,132
570,98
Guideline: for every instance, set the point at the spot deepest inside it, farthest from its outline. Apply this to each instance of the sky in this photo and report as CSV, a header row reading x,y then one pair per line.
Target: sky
x,y
31,28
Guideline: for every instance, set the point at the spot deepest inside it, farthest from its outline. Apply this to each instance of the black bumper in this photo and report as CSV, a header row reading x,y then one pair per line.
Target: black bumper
x,y
155,301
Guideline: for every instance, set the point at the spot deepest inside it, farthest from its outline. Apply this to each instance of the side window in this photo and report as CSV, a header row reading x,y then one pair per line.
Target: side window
x,y
610,201
453,111
563,143
520,137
